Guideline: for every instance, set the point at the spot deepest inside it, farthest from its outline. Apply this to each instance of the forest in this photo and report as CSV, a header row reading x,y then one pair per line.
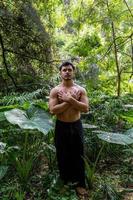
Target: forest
x,y
36,36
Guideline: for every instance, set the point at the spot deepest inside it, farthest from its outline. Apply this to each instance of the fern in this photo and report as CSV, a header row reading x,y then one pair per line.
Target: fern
x,y
16,98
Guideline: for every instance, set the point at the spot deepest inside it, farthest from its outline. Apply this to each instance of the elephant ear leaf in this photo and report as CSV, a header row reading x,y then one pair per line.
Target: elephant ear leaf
x,y
129,132
38,119
116,138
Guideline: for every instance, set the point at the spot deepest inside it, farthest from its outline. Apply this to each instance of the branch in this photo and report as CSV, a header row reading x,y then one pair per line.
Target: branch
x,y
106,53
31,57
123,41
124,53
127,72
128,8
110,46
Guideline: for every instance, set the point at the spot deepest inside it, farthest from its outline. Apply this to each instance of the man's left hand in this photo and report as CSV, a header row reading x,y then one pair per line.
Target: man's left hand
x,y
65,97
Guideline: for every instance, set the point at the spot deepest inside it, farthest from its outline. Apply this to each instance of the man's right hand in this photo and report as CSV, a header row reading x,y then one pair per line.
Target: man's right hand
x,y
64,97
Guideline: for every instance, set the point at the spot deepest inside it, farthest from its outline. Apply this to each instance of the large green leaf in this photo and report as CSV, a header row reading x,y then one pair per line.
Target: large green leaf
x,y
89,126
2,147
128,118
116,138
128,115
32,119
130,133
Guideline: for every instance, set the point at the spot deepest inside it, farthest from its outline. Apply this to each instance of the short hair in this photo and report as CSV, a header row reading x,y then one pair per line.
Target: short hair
x,y
66,63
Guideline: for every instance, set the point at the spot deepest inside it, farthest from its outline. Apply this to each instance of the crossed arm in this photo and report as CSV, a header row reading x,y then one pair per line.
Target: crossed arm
x,y
68,101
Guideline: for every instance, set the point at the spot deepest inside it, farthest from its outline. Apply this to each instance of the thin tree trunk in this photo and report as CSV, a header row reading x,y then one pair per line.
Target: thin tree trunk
x,y
116,54
116,61
5,63
131,39
131,56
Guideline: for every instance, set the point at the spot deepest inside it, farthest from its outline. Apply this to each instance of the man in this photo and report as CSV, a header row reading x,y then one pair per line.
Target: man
x,y
67,101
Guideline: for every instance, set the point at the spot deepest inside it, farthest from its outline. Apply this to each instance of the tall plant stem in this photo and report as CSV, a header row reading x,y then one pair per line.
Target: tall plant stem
x,y
98,156
25,145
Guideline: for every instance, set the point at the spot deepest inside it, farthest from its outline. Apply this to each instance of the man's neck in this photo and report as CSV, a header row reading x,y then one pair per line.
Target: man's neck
x,y
68,83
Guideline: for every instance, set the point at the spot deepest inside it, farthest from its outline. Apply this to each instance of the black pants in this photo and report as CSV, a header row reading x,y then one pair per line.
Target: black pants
x,y
69,150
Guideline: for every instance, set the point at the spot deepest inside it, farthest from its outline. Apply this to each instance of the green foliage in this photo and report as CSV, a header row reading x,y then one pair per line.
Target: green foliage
x,y
128,116
91,169
60,191
27,45
20,99
85,45
3,170
2,117
33,118
4,108
23,168
37,36
107,191
20,195
49,150
5,151
109,112
7,191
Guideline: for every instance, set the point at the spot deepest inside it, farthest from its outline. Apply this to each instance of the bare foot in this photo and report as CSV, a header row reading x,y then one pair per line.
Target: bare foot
x,y
63,189
82,193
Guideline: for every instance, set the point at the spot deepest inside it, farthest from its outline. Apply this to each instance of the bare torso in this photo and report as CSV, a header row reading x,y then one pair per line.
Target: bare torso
x,y
70,114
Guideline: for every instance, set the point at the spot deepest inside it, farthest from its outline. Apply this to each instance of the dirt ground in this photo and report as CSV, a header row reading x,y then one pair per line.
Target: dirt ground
x,y
129,196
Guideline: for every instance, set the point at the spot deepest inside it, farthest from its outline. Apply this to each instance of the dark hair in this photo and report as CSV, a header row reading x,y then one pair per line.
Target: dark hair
x,y
66,63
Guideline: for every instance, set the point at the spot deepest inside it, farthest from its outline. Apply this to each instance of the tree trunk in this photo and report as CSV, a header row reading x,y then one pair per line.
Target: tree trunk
x,y
131,56
115,53
5,63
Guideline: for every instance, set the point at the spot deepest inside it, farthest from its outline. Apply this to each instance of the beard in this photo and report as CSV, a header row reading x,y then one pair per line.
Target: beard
x,y
67,78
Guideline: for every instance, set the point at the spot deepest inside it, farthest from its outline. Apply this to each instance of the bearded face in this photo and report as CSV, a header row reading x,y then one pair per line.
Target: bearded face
x,y
67,72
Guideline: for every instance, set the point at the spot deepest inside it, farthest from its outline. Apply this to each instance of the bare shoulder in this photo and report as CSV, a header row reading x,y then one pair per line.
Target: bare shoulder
x,y
54,91
81,89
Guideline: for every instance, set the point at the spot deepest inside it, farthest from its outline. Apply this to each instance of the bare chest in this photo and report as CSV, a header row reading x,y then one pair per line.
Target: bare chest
x,y
70,90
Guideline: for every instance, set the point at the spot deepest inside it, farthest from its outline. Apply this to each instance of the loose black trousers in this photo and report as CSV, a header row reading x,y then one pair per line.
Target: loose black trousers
x,y
69,151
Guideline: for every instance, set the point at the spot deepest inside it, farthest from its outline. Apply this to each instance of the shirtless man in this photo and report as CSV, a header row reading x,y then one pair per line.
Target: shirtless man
x,y
67,101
